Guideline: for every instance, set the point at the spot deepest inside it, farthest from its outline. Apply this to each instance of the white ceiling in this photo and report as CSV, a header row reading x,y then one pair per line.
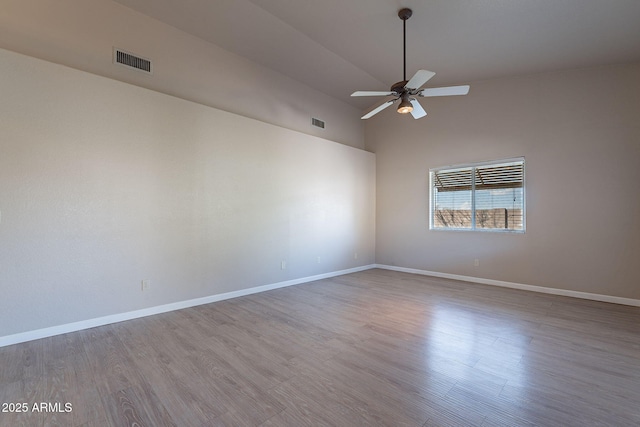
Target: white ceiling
x,y
339,46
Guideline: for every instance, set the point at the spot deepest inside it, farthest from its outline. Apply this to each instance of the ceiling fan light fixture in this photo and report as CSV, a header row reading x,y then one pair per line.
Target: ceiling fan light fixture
x,y
405,106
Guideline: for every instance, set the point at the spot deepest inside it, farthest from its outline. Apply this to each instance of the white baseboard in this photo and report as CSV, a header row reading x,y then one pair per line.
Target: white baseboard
x,y
115,318
540,289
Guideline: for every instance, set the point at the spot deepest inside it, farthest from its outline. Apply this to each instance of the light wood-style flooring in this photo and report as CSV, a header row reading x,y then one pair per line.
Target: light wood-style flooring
x,y
375,348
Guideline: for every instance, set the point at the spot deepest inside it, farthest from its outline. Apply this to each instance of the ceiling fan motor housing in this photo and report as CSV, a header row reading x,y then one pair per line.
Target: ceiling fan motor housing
x,y
399,87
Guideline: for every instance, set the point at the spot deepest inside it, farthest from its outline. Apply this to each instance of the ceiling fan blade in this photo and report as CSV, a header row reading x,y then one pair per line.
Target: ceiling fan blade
x,y
418,111
378,109
371,93
419,79
445,91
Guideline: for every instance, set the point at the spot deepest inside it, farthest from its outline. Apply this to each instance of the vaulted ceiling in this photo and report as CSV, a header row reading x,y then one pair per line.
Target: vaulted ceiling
x,y
339,46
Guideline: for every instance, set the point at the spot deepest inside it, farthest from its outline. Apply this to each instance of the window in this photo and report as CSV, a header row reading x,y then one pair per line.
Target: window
x,y
485,196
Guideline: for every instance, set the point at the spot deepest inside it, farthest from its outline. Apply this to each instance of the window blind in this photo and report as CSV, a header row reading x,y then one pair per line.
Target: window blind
x,y
484,196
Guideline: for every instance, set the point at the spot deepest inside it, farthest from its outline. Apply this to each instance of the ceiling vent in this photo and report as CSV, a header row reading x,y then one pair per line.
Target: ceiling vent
x,y
317,123
131,60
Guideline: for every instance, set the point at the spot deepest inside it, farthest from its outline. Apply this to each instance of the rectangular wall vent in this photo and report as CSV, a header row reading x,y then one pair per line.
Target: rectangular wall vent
x,y
317,122
130,60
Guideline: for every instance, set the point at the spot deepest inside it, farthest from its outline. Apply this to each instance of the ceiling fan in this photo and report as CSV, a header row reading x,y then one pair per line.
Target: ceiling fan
x,y
406,90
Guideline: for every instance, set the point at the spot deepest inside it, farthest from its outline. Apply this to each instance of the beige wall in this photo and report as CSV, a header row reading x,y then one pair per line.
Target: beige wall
x,y
82,33
580,134
105,184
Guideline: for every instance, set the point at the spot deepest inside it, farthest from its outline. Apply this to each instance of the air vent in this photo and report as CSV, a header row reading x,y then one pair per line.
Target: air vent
x,y
131,60
317,122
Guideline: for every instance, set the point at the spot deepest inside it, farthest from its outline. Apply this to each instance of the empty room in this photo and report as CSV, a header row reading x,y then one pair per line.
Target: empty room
x,y
327,213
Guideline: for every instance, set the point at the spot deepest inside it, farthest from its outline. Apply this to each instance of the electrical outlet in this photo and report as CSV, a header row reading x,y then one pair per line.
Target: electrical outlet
x,y
476,262
283,265
355,255
145,285
318,259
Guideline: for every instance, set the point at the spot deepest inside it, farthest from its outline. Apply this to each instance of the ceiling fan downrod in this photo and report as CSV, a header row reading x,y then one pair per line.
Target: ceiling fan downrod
x,y
404,14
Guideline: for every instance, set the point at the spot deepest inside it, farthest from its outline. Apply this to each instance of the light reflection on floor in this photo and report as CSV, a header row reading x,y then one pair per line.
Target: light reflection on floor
x,y
477,349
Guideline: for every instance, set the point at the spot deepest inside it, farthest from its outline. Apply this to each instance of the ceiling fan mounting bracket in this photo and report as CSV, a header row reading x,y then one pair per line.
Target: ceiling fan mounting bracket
x,y
405,14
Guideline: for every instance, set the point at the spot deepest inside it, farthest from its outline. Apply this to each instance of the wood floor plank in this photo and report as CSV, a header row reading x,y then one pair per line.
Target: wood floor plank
x,y
111,366
11,366
295,417
125,408
15,393
391,400
377,347
166,365
319,400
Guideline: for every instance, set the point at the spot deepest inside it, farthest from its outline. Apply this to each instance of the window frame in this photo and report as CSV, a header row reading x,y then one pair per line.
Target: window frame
x,y
473,166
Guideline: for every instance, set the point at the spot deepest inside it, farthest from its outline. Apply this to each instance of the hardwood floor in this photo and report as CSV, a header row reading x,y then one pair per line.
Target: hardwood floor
x,y
375,348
